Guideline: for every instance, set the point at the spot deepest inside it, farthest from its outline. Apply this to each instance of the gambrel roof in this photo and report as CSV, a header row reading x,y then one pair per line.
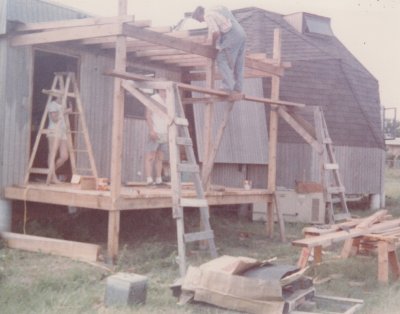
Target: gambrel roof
x,y
323,73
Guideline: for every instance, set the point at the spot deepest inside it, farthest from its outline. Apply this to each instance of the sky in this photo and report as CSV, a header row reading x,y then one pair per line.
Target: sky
x,y
370,29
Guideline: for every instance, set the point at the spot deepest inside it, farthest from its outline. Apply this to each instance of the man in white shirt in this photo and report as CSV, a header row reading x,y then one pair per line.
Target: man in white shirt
x,y
229,38
156,146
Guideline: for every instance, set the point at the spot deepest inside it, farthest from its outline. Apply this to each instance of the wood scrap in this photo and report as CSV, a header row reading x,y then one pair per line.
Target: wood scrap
x,y
376,217
72,249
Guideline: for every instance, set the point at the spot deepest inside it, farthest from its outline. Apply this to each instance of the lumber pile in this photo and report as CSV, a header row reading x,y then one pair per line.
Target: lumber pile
x,y
378,234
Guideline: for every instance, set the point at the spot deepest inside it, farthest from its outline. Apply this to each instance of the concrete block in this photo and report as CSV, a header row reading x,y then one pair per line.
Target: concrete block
x,y
125,289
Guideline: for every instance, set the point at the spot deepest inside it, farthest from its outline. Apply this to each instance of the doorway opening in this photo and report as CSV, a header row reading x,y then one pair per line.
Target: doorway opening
x,y
45,65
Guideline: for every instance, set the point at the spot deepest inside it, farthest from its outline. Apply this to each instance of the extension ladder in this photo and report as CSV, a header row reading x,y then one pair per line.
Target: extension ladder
x,y
65,85
331,179
179,137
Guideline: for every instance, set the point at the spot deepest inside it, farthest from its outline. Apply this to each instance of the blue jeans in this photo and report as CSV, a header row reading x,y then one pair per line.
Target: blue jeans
x,y
230,59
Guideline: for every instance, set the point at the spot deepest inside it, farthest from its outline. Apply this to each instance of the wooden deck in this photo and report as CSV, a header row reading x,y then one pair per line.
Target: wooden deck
x,y
133,196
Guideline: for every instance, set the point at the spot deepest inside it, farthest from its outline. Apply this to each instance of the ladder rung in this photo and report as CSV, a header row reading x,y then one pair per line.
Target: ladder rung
x,y
181,121
186,141
193,202
335,189
198,236
331,166
39,170
80,150
188,168
55,92
83,169
76,132
327,141
341,216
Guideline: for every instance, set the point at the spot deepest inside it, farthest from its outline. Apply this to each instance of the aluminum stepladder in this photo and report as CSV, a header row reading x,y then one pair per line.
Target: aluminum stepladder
x,y
330,175
65,85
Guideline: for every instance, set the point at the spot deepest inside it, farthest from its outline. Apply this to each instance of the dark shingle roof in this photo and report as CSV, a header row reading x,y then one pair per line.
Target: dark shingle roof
x,y
323,73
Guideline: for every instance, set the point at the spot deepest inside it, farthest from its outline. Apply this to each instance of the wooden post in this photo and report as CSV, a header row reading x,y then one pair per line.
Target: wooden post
x,y
208,119
383,262
273,135
116,141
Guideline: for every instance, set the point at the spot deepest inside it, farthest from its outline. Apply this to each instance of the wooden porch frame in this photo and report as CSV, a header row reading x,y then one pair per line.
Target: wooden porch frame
x,y
121,31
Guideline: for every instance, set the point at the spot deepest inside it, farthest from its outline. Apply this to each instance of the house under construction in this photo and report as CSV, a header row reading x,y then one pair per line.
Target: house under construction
x,y
105,65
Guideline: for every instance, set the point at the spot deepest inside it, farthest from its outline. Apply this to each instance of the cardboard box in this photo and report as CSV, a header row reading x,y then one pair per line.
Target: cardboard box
x,y
88,183
218,282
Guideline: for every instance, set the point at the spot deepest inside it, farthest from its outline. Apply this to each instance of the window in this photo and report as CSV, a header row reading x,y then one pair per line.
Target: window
x,y
317,25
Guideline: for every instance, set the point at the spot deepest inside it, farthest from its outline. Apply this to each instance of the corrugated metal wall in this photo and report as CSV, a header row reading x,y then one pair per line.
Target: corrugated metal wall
x,y
246,136
97,97
360,167
135,134
16,115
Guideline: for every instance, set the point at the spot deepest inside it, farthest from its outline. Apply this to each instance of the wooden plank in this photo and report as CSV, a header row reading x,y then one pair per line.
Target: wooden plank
x,y
162,29
329,166
60,197
273,137
300,130
208,119
181,121
369,221
146,100
265,67
169,41
303,259
394,263
76,250
197,236
327,239
77,22
350,247
177,57
214,145
383,262
72,33
200,76
116,143
270,101
159,52
193,202
185,167
199,89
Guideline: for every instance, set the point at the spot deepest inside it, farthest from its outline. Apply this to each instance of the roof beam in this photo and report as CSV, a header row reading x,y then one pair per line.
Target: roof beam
x,y
26,27
159,52
169,41
72,33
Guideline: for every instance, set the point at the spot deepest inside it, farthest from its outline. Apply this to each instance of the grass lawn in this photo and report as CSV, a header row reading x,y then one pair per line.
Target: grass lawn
x,y
38,283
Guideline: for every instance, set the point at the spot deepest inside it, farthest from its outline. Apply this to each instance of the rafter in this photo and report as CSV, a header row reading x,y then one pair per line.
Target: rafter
x,y
169,41
66,34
